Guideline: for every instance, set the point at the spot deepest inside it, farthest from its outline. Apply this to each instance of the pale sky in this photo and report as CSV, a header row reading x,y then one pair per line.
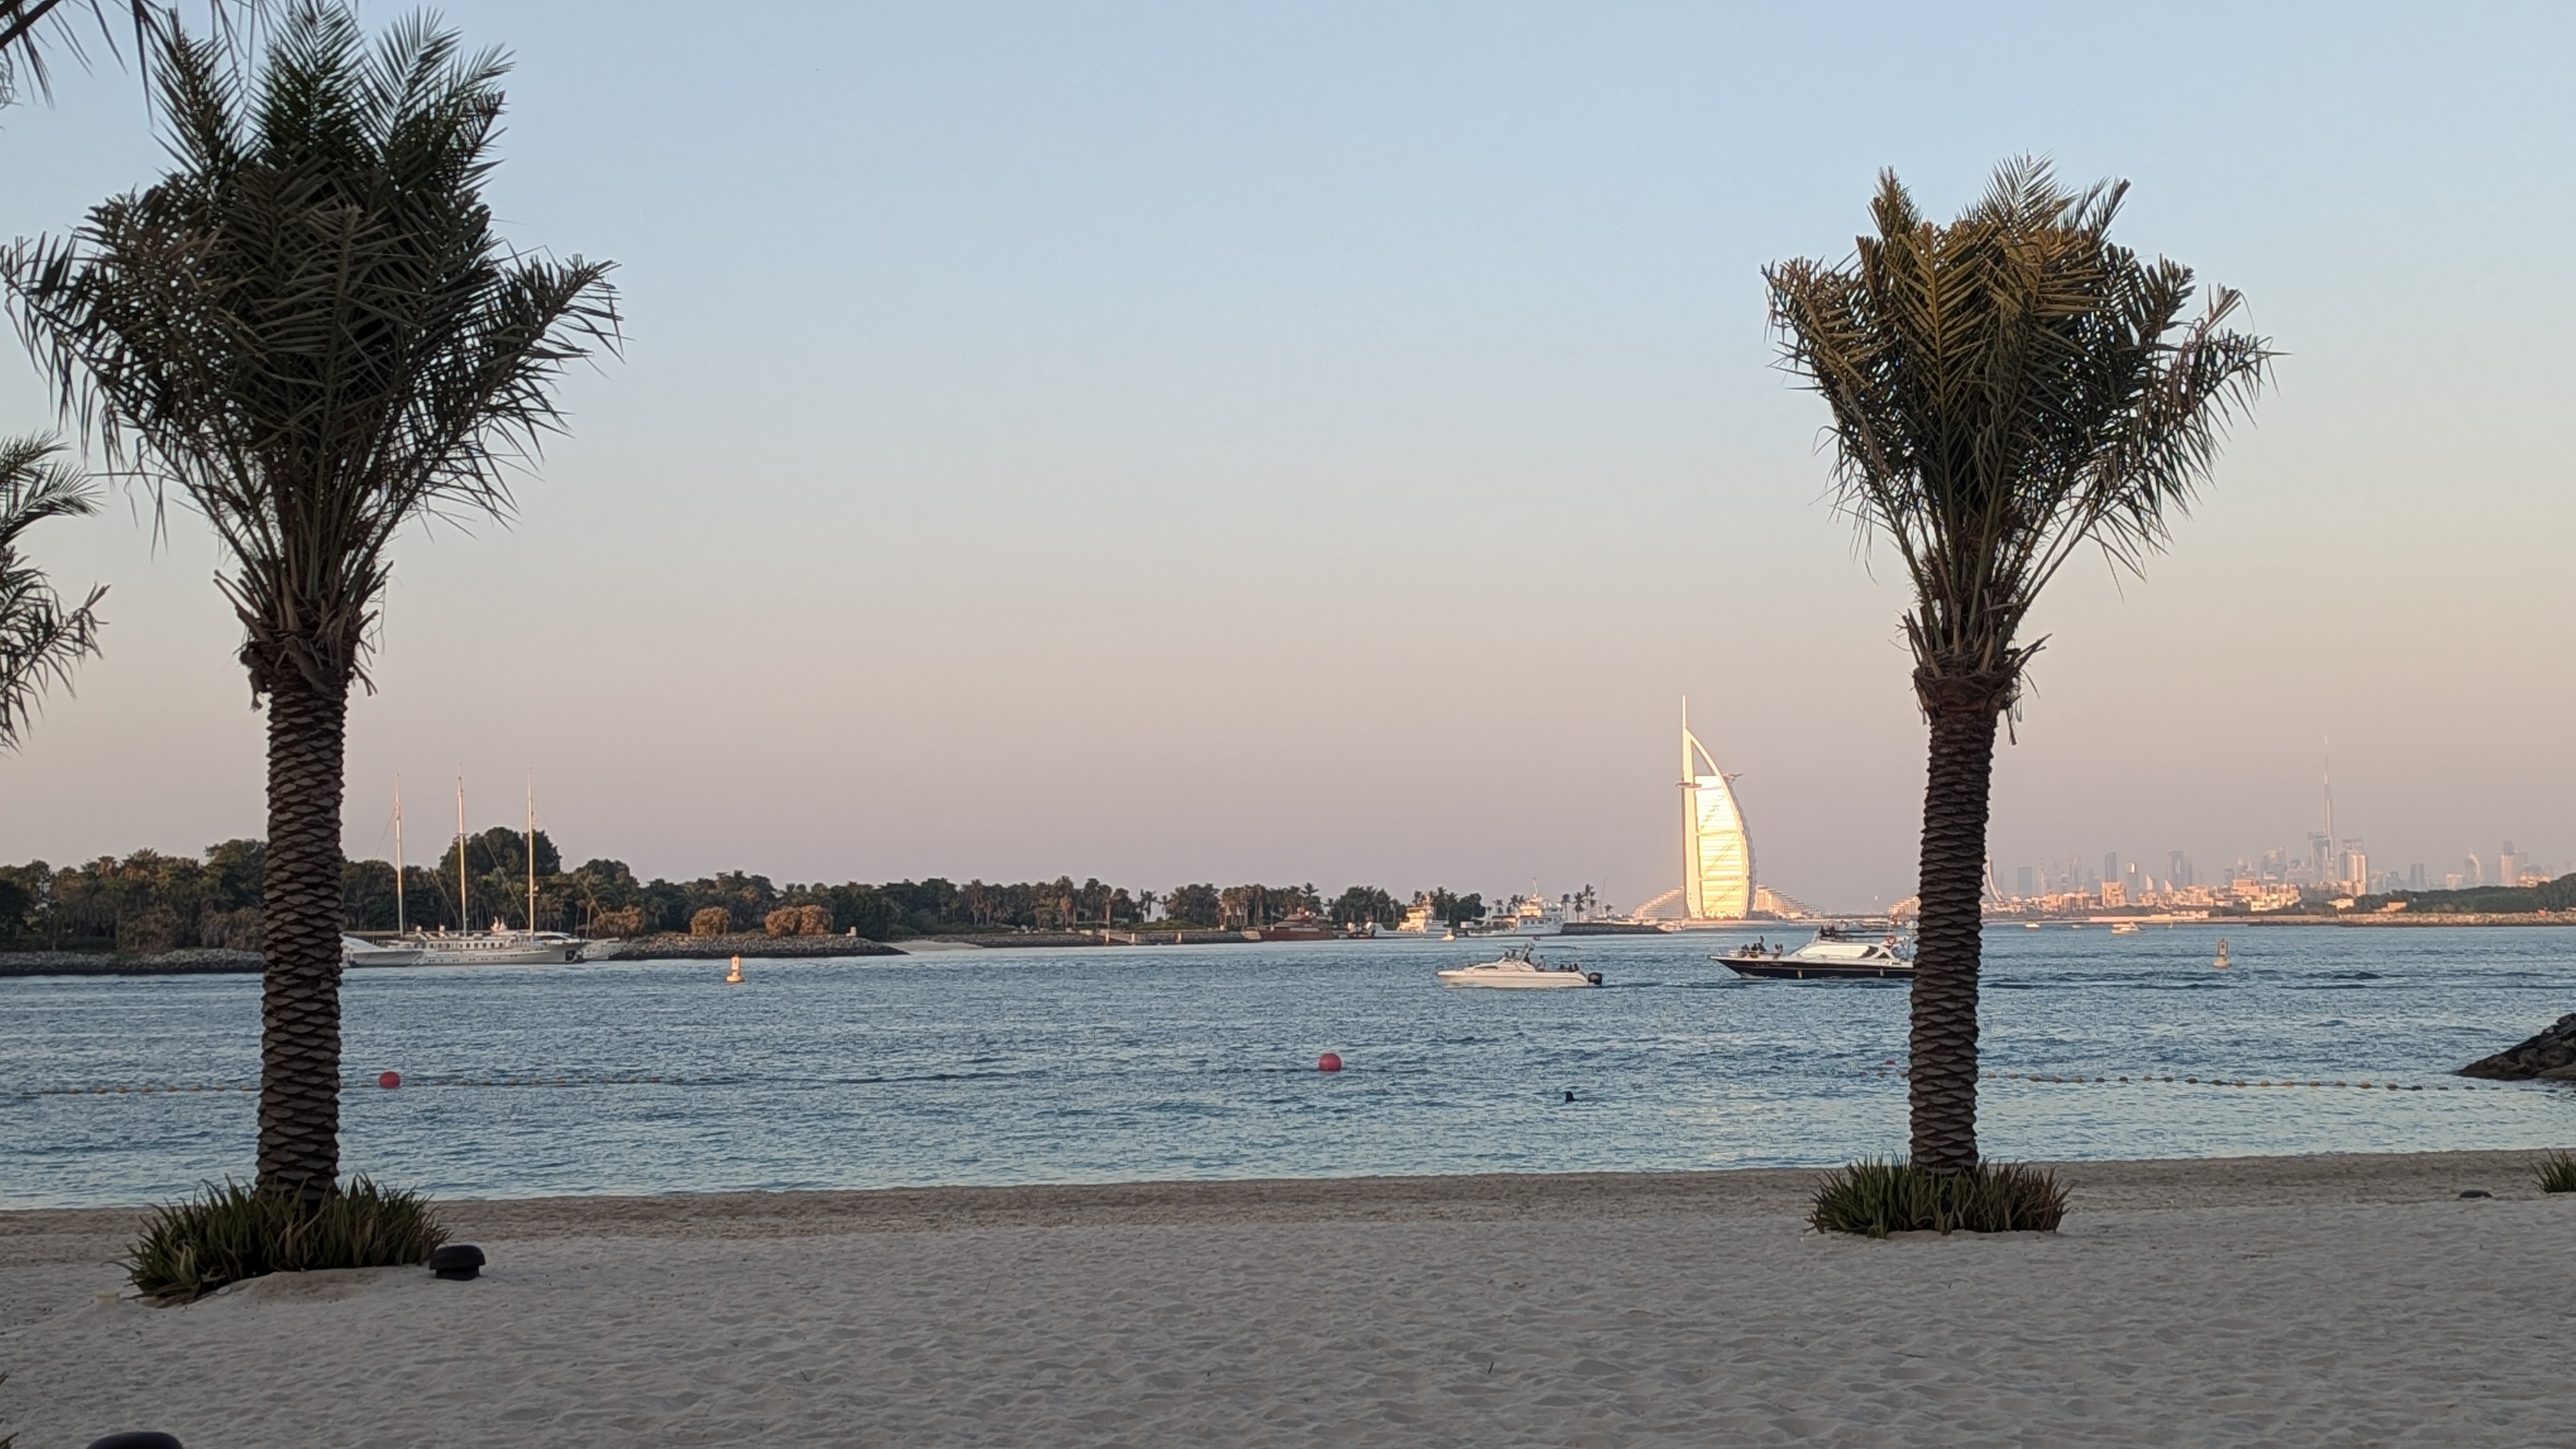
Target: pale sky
x,y
1323,442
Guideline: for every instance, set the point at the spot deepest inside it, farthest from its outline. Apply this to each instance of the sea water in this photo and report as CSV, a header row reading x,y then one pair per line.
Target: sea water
x,y
1116,1064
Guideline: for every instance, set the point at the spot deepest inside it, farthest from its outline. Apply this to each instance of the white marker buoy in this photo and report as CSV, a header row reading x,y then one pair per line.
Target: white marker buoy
x,y
734,977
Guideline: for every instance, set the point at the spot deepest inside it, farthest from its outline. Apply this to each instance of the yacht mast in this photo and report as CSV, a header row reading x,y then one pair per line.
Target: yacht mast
x,y
464,913
532,850
398,860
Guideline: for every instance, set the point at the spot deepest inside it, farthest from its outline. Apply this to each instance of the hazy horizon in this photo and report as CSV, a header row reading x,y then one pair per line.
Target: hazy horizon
x,y
1160,445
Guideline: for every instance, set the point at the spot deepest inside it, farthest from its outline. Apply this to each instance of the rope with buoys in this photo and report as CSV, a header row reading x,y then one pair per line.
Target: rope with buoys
x,y
634,1080
2143,1078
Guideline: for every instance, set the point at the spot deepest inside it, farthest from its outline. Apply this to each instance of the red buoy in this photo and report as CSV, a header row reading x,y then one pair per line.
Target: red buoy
x,y
389,1080
1329,1062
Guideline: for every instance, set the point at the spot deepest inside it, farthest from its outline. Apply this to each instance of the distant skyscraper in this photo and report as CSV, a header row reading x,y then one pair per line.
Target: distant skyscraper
x,y
2356,868
2415,876
2178,870
2472,874
2110,867
2022,881
2509,866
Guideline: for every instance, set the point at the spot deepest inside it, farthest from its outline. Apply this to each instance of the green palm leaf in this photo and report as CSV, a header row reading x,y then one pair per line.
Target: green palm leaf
x,y
40,637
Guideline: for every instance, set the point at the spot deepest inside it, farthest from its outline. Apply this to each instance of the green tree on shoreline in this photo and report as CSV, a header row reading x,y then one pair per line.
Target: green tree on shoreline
x,y
2006,390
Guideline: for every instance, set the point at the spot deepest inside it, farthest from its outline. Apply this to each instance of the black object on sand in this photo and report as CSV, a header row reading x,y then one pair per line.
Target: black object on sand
x,y
140,1439
458,1261
2477,1192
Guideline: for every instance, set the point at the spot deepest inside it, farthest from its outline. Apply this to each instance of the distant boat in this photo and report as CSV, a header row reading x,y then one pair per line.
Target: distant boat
x,y
2030,925
1299,926
1519,968
2125,928
355,951
1418,921
1832,955
1531,916
500,946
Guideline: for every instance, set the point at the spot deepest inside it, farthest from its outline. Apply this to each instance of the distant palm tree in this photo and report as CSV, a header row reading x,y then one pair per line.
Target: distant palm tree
x,y
309,330
2006,390
39,636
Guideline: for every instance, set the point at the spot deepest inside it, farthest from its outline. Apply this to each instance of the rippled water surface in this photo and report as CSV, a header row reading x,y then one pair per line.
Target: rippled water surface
x,y
1103,1065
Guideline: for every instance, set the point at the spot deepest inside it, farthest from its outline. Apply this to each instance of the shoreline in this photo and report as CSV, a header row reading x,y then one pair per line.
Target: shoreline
x,y
2095,1185
205,961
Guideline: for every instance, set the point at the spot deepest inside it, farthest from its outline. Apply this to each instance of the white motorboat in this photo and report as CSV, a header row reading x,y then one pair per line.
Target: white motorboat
x,y
1519,968
355,951
1833,954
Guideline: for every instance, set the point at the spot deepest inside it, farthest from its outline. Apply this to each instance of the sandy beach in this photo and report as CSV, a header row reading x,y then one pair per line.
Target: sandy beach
x,y
2328,1300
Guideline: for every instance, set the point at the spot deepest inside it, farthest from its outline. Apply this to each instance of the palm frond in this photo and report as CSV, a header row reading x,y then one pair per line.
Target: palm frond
x,y
2007,389
34,32
40,637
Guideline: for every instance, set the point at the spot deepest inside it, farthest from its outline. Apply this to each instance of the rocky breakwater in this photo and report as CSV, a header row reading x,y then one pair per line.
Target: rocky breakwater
x,y
187,961
2549,1056
750,946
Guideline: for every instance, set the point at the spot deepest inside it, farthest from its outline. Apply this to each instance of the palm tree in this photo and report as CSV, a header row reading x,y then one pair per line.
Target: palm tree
x,y
39,637
308,329
2005,390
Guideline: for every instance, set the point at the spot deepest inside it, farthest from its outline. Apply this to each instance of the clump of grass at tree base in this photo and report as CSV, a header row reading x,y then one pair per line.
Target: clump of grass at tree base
x,y
229,1233
1876,1198
2557,1172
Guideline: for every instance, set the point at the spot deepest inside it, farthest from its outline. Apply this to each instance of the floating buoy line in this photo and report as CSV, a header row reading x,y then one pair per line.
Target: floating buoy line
x,y
2051,1079
2144,1078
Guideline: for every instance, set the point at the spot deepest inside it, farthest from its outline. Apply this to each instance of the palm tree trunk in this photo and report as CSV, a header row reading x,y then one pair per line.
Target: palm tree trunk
x,y
1948,945
299,1047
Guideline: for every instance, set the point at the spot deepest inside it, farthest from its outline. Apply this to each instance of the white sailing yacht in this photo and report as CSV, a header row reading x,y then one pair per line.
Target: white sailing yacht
x,y
499,946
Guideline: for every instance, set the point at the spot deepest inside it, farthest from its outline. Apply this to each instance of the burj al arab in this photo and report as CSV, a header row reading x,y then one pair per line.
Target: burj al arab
x,y
1717,854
